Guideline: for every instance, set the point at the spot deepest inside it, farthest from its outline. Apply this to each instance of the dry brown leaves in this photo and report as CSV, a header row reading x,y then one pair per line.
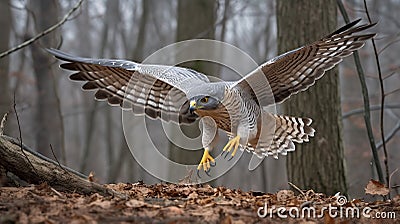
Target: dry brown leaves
x,y
376,188
166,203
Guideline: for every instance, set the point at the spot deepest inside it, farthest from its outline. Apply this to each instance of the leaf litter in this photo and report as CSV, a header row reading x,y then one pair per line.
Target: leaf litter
x,y
175,203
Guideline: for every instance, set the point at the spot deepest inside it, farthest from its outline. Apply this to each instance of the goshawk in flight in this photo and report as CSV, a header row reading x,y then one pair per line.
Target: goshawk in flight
x,y
182,95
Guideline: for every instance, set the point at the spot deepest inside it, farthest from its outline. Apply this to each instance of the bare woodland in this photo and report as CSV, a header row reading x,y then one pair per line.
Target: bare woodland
x,y
355,107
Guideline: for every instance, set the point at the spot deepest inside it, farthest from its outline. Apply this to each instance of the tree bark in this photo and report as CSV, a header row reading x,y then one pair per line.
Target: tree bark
x,y
319,164
48,118
138,51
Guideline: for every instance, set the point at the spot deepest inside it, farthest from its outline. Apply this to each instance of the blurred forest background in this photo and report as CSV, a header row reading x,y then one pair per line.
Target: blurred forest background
x,y
87,135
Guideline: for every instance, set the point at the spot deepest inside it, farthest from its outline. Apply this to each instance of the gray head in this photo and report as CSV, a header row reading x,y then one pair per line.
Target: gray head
x,y
206,96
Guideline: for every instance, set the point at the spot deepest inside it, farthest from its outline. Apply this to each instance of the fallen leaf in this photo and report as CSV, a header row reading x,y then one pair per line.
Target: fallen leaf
x,y
133,203
397,198
238,222
23,218
205,212
284,195
192,195
376,188
224,202
101,204
91,177
308,222
205,201
226,219
174,210
328,219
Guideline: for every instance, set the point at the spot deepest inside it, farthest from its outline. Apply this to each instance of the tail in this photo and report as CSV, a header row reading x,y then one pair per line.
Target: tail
x,y
287,131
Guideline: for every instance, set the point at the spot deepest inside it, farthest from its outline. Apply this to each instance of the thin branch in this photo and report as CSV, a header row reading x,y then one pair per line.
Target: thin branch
x,y
372,108
20,137
391,175
298,189
389,44
378,64
49,30
364,89
55,157
390,75
56,192
391,92
389,136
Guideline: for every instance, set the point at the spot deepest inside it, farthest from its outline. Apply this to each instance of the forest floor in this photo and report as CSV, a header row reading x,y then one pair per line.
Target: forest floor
x,y
171,203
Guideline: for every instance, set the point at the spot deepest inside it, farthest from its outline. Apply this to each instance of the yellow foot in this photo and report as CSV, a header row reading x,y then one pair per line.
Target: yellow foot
x,y
205,161
232,144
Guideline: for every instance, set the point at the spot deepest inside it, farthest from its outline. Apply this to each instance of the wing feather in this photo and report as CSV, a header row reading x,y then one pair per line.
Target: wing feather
x,y
297,70
154,90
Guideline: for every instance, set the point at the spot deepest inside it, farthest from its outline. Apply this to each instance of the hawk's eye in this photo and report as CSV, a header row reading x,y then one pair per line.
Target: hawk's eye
x,y
204,99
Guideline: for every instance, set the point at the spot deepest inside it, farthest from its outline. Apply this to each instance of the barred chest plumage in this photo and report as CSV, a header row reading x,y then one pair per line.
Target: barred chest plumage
x,y
237,109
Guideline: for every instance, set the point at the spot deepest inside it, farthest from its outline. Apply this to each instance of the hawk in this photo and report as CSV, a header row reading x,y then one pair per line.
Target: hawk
x,y
182,95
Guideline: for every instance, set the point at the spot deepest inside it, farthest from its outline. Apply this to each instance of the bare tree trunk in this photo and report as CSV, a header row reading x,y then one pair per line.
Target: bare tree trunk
x,y
137,53
83,25
318,165
48,120
190,27
5,24
133,171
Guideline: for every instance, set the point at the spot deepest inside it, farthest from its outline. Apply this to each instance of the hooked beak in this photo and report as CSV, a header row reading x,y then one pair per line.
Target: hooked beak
x,y
192,107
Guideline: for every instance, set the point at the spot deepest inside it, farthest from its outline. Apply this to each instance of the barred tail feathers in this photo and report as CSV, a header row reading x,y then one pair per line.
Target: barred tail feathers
x,y
289,130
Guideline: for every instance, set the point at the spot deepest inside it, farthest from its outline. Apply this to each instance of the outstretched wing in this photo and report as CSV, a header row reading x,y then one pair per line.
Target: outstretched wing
x,y
157,91
298,69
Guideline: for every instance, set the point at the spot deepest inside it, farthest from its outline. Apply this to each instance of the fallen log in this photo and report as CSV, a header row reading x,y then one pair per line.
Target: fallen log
x,y
35,168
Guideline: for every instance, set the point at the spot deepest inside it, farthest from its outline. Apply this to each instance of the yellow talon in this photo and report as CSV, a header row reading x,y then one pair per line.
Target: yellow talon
x,y
232,144
205,160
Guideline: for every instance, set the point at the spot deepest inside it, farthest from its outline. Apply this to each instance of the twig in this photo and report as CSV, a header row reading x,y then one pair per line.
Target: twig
x,y
390,178
3,124
391,92
298,189
380,205
373,107
364,89
55,157
49,30
389,44
382,101
391,74
187,179
20,136
391,134
56,192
